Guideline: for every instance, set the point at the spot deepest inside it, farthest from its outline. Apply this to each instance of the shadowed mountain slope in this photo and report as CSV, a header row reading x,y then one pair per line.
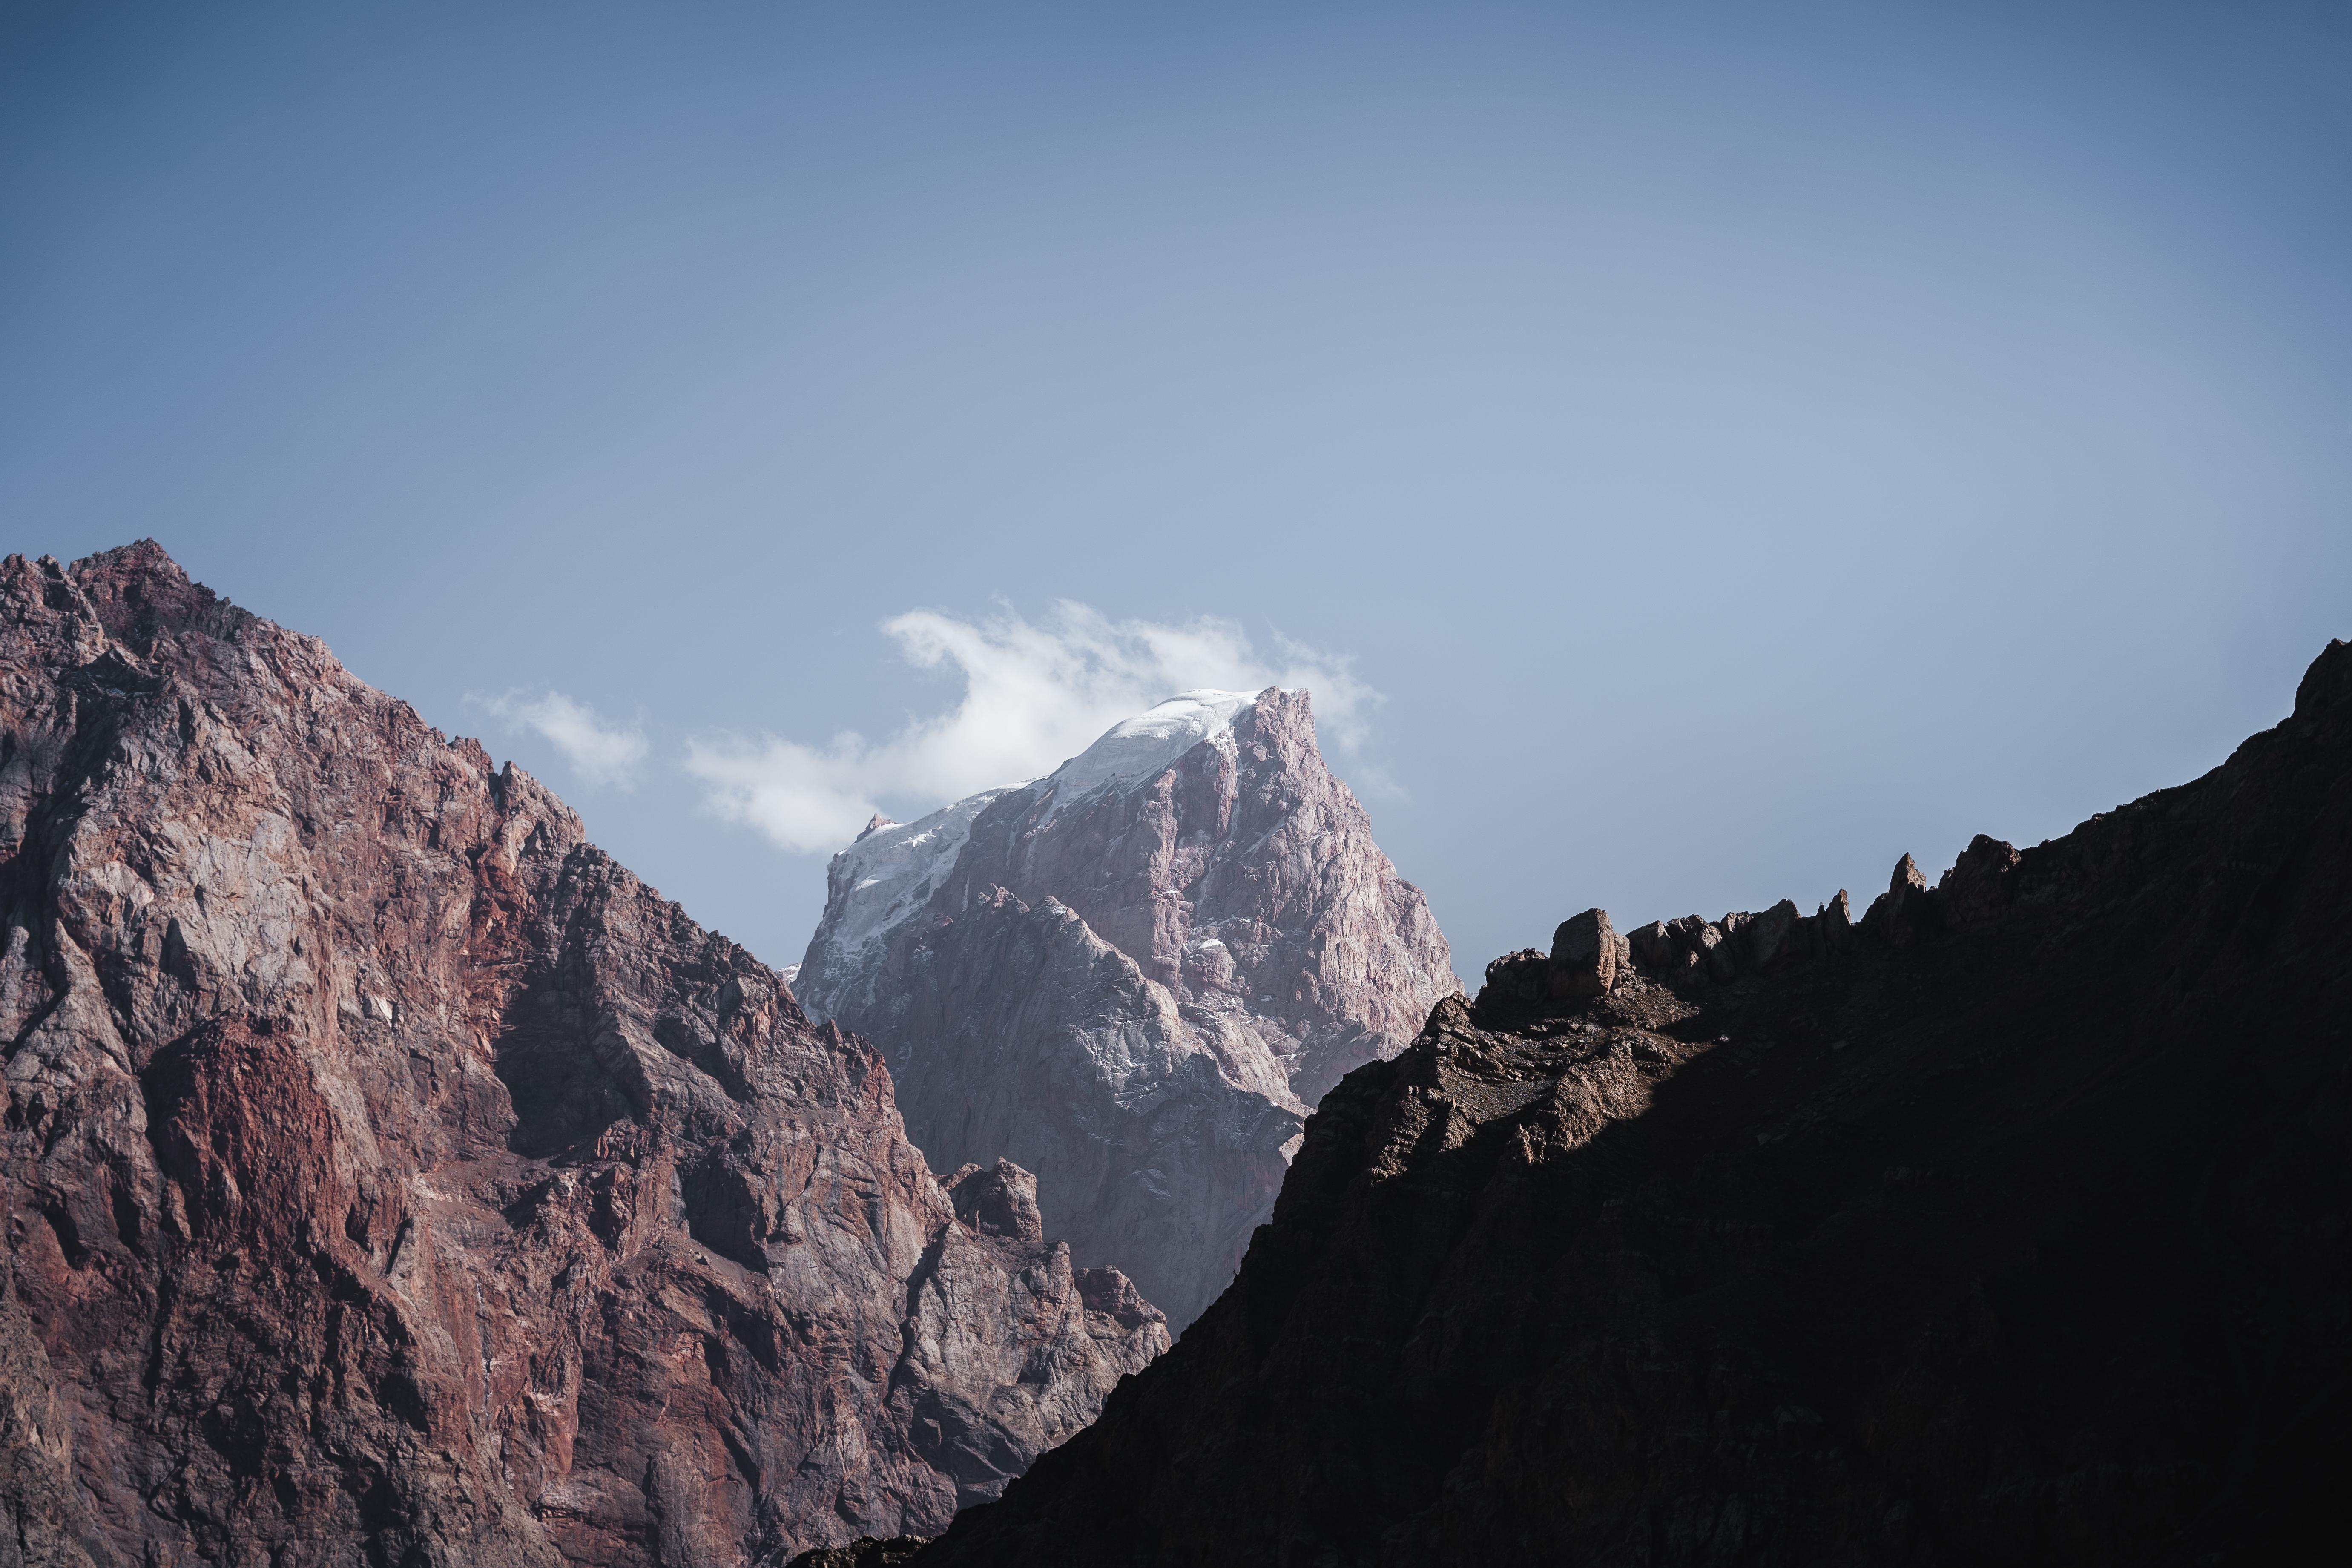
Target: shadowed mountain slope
x,y
2006,1225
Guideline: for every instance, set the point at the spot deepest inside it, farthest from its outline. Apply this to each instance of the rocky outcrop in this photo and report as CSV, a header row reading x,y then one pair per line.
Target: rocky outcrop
x,y
1136,976
1584,952
2006,1225
391,1177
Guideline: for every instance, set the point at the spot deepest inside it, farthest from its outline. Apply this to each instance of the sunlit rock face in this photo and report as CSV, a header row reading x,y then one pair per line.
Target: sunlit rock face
x,y
392,1177
1136,976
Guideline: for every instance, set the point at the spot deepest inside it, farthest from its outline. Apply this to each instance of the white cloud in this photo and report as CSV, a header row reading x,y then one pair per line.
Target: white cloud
x,y
1034,694
600,754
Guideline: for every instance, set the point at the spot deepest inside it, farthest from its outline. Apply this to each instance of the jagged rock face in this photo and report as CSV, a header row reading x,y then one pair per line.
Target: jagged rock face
x,y
392,1177
1136,976
2005,1226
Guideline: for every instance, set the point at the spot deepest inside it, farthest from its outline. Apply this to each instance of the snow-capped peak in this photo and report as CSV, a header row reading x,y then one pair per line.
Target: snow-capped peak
x,y
888,874
1141,747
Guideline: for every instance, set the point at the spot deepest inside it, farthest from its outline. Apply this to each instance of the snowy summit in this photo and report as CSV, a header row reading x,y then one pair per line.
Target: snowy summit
x,y
890,872
1148,744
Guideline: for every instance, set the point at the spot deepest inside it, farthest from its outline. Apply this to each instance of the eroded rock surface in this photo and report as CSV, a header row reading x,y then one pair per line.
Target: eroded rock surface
x,y
2007,1225
1135,977
392,1177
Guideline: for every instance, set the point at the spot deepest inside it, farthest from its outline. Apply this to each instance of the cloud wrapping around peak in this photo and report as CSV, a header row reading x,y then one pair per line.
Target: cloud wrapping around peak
x,y
600,755
1035,694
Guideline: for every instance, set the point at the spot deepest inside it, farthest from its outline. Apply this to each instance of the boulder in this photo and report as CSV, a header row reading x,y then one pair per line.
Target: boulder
x,y
1584,955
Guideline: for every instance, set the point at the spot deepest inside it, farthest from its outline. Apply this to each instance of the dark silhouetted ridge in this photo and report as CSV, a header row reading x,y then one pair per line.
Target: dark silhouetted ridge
x,y
2002,1224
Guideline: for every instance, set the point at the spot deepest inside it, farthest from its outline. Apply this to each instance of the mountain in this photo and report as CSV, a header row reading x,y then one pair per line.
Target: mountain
x,y
1135,977
2006,1225
391,1177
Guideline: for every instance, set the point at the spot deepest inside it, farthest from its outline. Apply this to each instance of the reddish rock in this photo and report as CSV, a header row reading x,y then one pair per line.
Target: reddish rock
x,y
392,1177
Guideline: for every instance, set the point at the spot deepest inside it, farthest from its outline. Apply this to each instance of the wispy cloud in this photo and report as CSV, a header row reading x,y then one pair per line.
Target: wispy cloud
x,y
600,754
1036,693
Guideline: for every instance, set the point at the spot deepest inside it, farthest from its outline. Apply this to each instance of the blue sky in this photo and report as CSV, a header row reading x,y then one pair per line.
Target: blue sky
x,y
1709,450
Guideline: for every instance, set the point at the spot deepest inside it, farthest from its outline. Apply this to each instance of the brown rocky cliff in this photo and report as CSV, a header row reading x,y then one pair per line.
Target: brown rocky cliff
x,y
2006,1224
392,1177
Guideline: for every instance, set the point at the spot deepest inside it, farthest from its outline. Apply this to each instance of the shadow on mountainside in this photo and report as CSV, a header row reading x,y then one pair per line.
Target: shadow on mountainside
x,y
2005,1225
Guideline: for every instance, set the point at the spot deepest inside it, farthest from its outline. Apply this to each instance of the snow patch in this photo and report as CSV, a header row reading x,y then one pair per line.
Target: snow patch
x,y
1148,744
890,874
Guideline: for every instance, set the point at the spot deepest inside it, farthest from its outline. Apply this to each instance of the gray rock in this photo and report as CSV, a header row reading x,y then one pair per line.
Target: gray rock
x,y
1135,977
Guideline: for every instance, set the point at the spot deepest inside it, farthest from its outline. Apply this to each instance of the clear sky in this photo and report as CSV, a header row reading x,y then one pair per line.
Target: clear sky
x,y
1703,452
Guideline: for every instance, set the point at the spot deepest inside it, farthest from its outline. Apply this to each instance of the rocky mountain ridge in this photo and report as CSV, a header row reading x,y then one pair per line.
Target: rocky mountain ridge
x,y
392,1177
1135,977
2005,1224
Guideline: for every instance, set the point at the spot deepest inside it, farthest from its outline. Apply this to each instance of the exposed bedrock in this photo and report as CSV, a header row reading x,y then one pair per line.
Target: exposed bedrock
x,y
391,1177
1135,977
2006,1224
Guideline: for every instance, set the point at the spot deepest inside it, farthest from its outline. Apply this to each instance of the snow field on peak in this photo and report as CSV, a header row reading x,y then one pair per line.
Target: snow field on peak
x,y
1143,746
886,877
892,873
